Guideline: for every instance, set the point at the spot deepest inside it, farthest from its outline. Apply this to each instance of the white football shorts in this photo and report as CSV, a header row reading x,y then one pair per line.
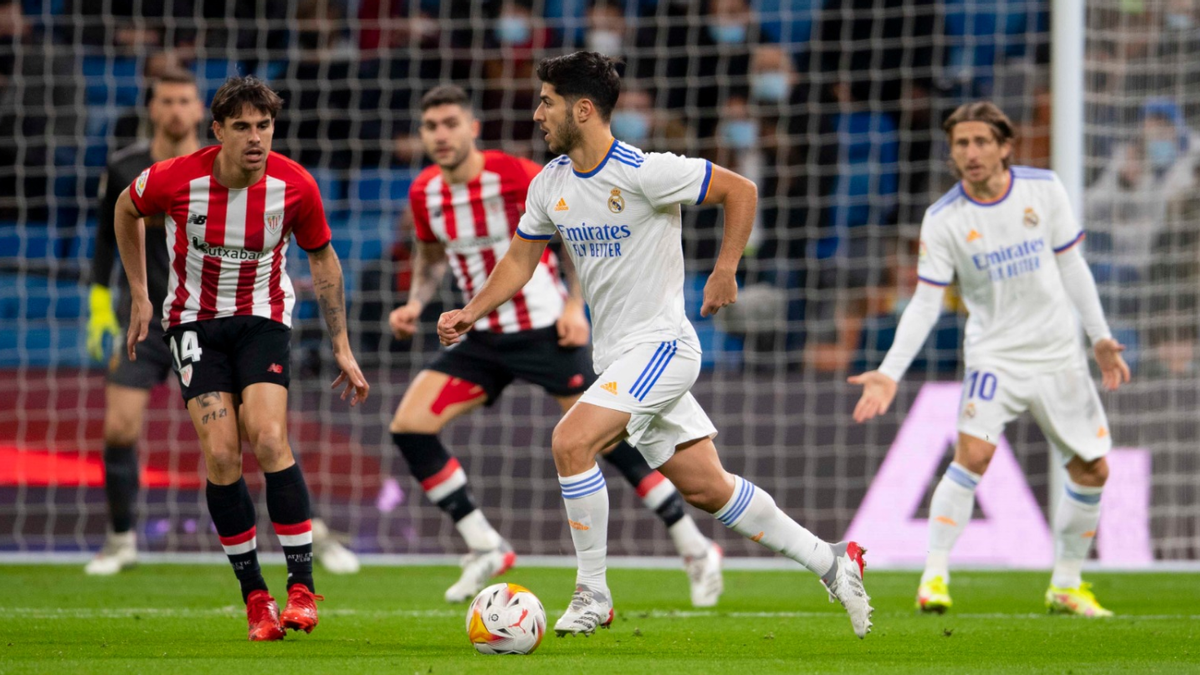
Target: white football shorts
x,y
651,382
1064,403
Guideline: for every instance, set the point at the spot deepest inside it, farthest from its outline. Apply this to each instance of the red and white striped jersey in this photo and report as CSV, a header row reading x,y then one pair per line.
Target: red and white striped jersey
x,y
475,221
228,248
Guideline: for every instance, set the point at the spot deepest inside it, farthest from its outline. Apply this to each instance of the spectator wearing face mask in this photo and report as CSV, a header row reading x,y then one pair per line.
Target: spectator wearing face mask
x,y
518,37
709,57
1126,208
638,122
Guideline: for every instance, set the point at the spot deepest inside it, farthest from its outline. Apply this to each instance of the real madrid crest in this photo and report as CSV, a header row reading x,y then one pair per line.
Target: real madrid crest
x,y
970,410
616,203
1031,217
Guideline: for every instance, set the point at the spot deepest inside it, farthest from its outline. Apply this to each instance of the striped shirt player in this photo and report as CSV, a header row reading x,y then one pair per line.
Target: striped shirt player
x,y
231,211
228,248
475,222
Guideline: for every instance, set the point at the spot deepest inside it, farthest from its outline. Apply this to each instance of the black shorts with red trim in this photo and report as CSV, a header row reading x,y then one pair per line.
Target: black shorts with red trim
x,y
230,354
494,360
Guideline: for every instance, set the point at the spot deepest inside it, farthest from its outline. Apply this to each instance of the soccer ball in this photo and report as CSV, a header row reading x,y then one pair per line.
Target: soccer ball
x,y
506,619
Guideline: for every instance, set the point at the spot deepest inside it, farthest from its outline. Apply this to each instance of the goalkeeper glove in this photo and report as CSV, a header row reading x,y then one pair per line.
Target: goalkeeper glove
x,y
102,320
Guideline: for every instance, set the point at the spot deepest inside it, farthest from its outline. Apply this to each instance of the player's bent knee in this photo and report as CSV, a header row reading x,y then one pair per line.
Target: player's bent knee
x,y
975,455
415,424
224,464
1091,474
271,448
121,431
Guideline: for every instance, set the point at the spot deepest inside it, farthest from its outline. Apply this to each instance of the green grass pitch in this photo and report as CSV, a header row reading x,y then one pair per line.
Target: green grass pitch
x,y
175,618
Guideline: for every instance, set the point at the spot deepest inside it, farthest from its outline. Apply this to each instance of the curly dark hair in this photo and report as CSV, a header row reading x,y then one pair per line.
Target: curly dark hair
x,y
589,75
239,92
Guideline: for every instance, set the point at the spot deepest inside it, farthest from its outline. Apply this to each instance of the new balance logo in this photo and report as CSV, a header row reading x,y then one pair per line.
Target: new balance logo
x,y
610,387
562,205
275,368
196,219
973,235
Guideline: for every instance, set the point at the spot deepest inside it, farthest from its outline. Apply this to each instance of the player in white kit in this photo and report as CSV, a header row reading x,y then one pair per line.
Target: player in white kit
x,y
617,210
1007,234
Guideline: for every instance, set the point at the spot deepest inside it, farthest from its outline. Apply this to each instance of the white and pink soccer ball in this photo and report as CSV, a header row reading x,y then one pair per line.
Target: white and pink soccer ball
x,y
506,619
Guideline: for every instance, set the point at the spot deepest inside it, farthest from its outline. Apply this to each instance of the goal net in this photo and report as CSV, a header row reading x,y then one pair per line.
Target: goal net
x,y
832,107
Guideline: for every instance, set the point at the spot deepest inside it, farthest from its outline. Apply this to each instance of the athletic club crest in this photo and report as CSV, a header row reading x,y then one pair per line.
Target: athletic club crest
x,y
273,221
1031,217
616,203
185,375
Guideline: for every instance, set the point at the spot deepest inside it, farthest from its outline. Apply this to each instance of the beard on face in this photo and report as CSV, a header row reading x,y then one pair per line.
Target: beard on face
x,y
460,156
567,137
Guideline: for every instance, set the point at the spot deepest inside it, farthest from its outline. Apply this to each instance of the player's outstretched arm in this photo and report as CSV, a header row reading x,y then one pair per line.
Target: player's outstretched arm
x,y
511,274
331,296
429,266
131,241
739,195
879,386
1081,288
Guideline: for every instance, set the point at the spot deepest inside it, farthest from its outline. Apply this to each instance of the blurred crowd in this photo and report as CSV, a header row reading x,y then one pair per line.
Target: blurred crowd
x,y
833,107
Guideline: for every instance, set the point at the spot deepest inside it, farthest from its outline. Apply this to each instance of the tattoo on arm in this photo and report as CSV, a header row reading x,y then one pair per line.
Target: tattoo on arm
x,y
429,266
331,296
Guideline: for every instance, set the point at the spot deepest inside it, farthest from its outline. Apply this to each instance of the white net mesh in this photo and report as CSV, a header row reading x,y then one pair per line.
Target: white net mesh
x,y
833,107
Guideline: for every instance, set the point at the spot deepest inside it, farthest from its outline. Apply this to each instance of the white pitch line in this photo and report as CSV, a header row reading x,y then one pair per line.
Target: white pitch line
x,y
231,611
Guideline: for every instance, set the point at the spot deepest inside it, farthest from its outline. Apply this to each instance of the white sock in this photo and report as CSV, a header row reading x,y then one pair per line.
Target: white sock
x,y
753,514
949,512
689,541
586,498
478,532
1075,524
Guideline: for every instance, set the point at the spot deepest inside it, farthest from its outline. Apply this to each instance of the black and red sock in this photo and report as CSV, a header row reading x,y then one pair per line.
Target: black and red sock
x,y
291,513
441,476
232,512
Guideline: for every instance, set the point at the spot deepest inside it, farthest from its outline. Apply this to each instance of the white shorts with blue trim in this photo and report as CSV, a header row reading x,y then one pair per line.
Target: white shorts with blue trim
x,y
651,382
1064,403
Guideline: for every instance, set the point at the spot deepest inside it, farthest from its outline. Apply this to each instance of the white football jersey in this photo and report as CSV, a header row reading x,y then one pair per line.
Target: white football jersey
x,y
620,224
1003,255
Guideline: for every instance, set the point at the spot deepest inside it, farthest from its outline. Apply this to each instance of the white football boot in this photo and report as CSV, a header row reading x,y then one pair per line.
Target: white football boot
x,y
478,567
704,575
846,586
119,553
335,558
589,610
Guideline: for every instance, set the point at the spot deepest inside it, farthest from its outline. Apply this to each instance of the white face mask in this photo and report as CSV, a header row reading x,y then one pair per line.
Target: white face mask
x,y
607,42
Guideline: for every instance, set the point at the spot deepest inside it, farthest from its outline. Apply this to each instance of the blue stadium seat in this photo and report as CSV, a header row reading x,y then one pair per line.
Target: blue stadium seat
x,y
111,81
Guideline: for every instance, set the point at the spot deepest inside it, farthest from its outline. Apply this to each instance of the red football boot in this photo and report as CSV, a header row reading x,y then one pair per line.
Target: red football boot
x,y
263,616
301,610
